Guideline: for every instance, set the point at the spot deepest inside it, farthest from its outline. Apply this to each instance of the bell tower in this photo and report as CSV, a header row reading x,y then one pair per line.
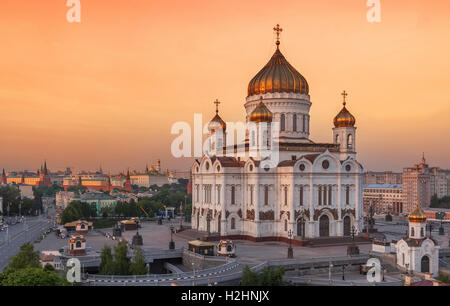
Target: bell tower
x,y
344,131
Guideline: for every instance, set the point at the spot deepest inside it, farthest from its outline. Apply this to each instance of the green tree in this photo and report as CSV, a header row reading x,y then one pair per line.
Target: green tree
x,y
77,189
33,277
11,198
26,258
268,277
107,262
138,266
121,259
249,278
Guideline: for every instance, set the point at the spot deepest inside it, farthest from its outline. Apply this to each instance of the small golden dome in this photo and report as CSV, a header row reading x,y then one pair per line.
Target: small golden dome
x,y
277,76
216,124
344,118
261,113
417,216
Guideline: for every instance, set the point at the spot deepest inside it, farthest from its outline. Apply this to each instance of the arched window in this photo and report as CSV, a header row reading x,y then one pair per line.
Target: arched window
x,y
251,194
421,232
233,223
285,225
78,244
350,141
294,123
233,195
266,195
304,123
412,232
282,122
337,139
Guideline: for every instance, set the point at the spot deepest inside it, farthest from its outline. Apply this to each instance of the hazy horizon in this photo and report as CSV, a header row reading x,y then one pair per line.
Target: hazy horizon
x,y
107,91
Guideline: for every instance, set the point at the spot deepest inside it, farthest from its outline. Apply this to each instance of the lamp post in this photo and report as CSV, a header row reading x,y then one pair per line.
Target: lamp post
x,y
171,243
181,212
329,272
290,250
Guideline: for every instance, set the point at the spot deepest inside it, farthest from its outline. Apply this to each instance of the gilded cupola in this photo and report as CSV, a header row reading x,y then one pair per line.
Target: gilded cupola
x,y
344,118
417,216
261,113
278,76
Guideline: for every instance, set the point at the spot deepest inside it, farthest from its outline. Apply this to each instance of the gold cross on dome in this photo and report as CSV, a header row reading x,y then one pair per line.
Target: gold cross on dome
x,y
344,94
278,30
217,102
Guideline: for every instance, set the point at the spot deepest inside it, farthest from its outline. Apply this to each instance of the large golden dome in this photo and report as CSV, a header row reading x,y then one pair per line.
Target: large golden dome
x,y
344,118
278,76
261,113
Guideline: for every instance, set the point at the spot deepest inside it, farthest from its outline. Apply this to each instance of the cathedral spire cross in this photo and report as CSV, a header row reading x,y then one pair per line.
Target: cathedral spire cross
x,y
278,30
217,102
344,94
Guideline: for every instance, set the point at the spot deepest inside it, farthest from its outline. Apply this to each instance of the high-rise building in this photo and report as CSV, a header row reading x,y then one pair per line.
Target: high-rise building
x,y
416,185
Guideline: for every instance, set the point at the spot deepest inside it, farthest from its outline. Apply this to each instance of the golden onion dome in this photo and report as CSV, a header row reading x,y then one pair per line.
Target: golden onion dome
x,y
344,118
261,113
417,216
277,76
216,124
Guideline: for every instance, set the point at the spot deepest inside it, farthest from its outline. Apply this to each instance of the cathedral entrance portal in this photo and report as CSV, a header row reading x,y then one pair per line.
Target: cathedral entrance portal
x,y
425,264
324,226
347,226
301,228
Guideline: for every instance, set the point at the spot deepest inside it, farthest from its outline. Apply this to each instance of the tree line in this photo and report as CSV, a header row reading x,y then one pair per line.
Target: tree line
x,y
25,269
119,263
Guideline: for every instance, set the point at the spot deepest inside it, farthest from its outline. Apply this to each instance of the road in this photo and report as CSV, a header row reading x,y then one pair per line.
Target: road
x,y
21,233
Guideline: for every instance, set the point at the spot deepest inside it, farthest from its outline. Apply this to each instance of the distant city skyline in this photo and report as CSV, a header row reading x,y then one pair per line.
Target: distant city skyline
x,y
107,92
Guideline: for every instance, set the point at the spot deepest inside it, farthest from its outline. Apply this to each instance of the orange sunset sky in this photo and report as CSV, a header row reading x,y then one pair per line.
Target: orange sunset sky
x,y
107,91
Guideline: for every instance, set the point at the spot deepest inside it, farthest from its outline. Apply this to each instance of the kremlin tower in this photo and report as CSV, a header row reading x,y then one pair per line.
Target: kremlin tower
x,y
3,179
44,177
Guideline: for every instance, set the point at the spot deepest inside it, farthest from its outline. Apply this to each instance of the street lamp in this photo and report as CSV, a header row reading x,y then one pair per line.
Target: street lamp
x,y
329,272
171,243
290,250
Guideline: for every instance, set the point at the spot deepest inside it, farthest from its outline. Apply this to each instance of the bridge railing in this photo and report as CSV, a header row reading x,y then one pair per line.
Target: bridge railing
x,y
173,276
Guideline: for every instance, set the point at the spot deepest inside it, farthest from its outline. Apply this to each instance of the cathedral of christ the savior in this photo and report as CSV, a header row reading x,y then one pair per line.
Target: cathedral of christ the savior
x,y
314,190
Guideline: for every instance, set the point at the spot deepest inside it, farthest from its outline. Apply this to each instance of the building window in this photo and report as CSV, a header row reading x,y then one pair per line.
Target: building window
x,y
233,223
304,123
421,232
301,195
350,141
347,195
251,194
320,195
330,195
233,195
285,225
294,122
285,196
282,122
266,195
218,194
337,139
412,232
